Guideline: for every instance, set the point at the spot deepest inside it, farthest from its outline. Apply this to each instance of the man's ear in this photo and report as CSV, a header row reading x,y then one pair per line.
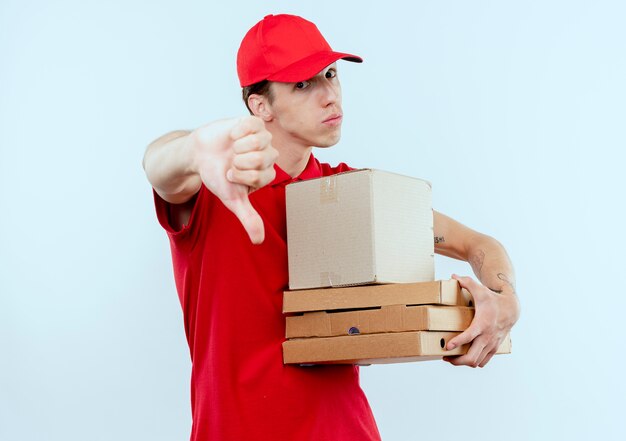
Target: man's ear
x,y
260,107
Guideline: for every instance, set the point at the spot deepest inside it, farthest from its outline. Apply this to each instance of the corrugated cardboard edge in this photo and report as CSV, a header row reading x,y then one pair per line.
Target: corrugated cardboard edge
x,y
369,349
453,294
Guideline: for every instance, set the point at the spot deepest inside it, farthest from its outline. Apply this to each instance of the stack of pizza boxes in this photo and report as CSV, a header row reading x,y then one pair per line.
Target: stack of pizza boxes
x,y
361,273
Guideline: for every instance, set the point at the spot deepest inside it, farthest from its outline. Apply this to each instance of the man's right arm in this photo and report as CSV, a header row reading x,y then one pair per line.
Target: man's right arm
x,y
168,163
231,157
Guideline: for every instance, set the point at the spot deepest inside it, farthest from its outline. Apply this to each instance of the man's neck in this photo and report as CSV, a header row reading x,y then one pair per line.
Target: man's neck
x,y
293,159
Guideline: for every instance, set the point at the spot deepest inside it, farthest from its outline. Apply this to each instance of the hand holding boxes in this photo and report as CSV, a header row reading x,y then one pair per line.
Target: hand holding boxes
x,y
376,323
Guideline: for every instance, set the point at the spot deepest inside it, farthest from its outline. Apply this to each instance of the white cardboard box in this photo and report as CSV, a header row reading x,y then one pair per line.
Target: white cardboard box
x,y
359,227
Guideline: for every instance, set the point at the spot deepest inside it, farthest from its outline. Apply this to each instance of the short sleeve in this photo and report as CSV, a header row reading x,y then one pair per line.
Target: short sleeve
x,y
200,212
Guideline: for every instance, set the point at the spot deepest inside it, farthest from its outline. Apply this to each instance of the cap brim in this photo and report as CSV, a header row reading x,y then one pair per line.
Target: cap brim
x,y
310,66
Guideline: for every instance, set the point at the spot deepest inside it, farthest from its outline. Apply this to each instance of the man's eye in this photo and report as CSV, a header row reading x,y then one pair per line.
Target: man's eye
x,y
302,84
330,73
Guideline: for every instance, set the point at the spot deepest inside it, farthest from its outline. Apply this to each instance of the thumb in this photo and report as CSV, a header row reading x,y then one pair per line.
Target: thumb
x,y
249,218
475,289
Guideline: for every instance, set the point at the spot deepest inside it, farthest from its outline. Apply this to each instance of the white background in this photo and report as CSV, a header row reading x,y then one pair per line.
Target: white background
x,y
515,112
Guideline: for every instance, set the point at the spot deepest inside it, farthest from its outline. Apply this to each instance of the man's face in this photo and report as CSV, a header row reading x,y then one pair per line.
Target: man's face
x,y
307,112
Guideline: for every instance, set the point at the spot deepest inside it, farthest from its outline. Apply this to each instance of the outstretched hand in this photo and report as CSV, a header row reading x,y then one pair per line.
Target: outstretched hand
x,y
495,314
234,157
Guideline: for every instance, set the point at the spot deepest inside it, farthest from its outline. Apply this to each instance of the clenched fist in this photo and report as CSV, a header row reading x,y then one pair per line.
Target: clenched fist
x,y
233,158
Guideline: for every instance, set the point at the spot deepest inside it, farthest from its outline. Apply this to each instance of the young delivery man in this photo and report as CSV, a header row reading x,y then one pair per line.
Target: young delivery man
x,y
220,195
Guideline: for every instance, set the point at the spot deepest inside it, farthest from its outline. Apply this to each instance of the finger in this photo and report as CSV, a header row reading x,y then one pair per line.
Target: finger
x,y
475,289
472,355
489,351
486,359
253,142
254,160
466,282
249,218
483,354
452,359
245,126
464,337
268,176
252,178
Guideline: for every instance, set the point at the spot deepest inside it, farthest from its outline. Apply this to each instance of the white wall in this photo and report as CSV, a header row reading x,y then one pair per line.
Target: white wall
x,y
514,110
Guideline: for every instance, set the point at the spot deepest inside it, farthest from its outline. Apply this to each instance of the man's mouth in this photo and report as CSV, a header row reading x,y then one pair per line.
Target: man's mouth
x,y
333,119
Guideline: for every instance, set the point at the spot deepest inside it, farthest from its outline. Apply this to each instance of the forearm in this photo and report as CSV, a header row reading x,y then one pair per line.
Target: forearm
x,y
495,299
491,264
494,269
169,166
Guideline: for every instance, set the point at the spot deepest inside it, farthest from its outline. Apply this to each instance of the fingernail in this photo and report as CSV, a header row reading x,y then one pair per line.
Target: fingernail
x,y
229,175
451,346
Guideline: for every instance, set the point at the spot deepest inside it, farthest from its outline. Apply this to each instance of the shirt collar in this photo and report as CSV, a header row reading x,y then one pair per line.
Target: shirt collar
x,y
312,170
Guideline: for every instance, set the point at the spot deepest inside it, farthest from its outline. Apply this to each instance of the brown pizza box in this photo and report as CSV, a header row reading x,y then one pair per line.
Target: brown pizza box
x,y
442,292
392,318
359,227
393,347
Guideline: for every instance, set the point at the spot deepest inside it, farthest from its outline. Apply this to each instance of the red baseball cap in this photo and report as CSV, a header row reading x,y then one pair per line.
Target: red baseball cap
x,y
284,48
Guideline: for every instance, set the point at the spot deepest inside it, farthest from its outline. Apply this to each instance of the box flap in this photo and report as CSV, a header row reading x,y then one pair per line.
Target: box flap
x,y
447,292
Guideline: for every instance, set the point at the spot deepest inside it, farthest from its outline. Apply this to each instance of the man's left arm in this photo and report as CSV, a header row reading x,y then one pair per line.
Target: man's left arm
x,y
495,300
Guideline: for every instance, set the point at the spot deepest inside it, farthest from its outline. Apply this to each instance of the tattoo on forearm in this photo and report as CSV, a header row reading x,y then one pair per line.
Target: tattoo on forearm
x,y
506,280
439,239
476,261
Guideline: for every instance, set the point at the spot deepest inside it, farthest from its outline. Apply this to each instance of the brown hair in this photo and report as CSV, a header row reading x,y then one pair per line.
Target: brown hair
x,y
260,88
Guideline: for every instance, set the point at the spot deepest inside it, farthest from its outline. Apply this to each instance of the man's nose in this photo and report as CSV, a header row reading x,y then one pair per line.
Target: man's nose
x,y
331,93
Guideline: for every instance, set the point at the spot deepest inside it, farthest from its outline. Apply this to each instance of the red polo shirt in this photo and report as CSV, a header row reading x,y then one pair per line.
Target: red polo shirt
x,y
231,293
